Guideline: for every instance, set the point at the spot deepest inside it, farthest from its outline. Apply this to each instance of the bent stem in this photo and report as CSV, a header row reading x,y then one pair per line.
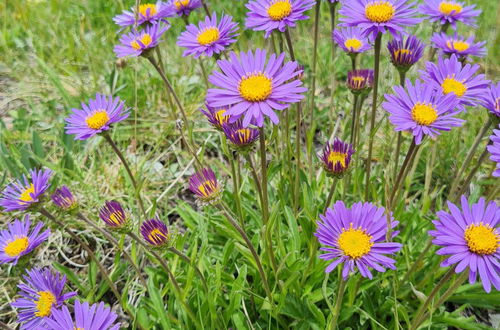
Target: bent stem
x,y
338,303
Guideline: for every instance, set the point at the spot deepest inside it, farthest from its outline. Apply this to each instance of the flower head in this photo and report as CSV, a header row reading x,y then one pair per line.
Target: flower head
x,y
336,157
205,186
250,88
269,15
25,193
241,138
379,16
137,43
217,117
494,149
450,77
360,81
41,292
17,241
405,53
356,238
184,7
95,117
457,45
209,37
113,215
491,99
63,198
471,238
155,232
449,12
421,110
96,316
351,40
149,13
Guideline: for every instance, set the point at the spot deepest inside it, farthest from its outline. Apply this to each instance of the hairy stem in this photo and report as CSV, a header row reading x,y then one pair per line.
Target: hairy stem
x,y
338,303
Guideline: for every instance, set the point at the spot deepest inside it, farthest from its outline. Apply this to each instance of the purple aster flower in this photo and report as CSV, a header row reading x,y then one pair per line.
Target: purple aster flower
x,y
241,138
216,116
184,7
472,238
95,117
491,99
17,241
336,157
42,292
458,45
63,198
205,186
379,16
96,316
148,13
269,15
24,193
249,87
209,37
137,43
494,149
360,81
155,232
449,12
421,110
405,53
356,238
449,76
113,215
351,40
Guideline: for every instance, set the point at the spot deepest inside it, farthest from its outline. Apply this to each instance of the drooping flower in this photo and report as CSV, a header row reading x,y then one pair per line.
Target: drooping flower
x,y
360,81
336,157
84,316
449,76
239,137
250,88
137,43
155,232
25,193
458,45
356,238
217,117
63,198
113,215
17,241
449,12
494,149
205,186
379,16
351,40
209,37
270,15
491,99
184,7
42,292
96,117
422,110
471,238
148,13
405,53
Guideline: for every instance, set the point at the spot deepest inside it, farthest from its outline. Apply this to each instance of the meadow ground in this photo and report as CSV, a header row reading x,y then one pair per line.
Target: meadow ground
x,y
56,54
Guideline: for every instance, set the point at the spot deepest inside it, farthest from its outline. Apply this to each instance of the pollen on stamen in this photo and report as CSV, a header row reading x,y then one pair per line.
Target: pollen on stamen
x,y
482,239
355,242
279,10
26,194
44,303
379,11
208,36
16,247
424,114
255,88
143,9
97,119
451,85
354,44
450,8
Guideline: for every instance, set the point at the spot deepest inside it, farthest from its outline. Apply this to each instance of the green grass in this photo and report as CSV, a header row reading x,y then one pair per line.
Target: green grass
x,y
56,54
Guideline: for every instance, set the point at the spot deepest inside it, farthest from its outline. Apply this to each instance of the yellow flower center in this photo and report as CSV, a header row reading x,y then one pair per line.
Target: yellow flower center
x,y
26,194
255,88
355,243
117,218
353,44
207,187
156,235
458,45
482,238
181,3
452,85
17,246
97,120
208,36
446,7
243,135
337,157
379,11
358,81
44,303
145,39
398,53
143,9
220,117
424,114
279,10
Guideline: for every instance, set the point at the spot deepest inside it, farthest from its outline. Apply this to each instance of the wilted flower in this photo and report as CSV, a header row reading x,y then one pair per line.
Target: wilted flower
x,y
336,157
96,316
205,186
360,81
217,117
351,40
449,12
63,198
457,45
405,53
472,239
494,149
17,241
137,43
25,193
240,137
148,13
155,232
113,215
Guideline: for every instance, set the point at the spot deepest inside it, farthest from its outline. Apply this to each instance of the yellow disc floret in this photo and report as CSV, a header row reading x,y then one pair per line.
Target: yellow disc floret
x,y
448,7
97,119
380,11
16,247
337,157
143,9
255,88
424,114
458,45
44,303
451,85
482,238
279,10
181,3
221,117
207,187
208,36
145,39
26,194
355,242
156,235
353,44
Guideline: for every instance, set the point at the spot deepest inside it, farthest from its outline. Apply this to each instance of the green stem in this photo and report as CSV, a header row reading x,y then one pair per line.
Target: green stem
x,y
256,179
338,303
236,189
353,61
353,123
203,71
205,7
467,181
406,164
330,194
402,76
333,82
190,262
